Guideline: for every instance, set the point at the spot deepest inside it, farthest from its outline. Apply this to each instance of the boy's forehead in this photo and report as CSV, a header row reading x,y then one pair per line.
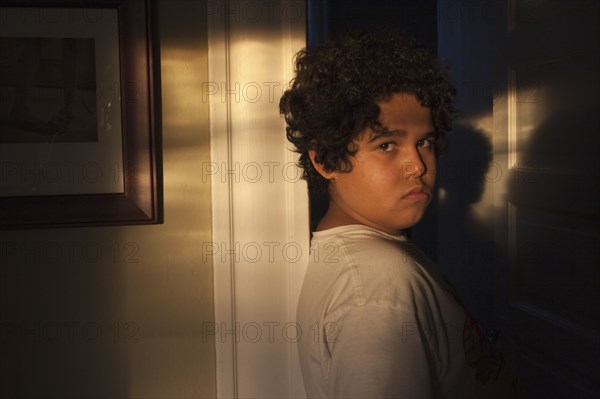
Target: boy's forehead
x,y
399,113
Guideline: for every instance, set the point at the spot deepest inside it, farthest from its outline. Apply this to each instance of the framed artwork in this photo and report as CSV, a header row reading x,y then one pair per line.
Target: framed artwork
x,y
79,131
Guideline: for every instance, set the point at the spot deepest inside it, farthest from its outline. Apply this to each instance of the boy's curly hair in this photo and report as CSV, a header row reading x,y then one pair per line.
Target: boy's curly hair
x,y
337,86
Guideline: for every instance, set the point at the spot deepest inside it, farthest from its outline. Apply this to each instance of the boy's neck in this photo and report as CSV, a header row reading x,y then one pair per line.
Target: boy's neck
x,y
335,217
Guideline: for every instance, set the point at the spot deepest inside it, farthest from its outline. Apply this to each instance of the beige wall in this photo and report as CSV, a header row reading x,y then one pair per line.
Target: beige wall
x,y
118,311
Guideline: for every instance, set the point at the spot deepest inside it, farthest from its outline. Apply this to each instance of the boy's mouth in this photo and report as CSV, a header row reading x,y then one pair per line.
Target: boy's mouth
x,y
417,193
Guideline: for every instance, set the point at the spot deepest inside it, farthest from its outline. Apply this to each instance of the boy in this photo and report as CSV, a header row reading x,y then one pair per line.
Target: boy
x,y
368,115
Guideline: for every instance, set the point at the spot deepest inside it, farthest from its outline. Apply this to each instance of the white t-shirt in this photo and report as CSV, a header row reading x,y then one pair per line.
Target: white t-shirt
x,y
379,320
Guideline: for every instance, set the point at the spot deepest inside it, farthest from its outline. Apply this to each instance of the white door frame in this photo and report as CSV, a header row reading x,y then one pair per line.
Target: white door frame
x,y
259,206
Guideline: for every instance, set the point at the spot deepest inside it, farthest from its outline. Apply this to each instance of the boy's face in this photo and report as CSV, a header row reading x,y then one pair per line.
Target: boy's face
x,y
393,174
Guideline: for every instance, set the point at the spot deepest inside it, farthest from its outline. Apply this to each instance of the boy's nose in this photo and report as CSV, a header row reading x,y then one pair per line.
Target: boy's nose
x,y
415,166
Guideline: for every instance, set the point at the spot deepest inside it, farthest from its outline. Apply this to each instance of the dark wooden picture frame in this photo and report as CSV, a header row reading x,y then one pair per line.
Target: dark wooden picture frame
x,y
140,203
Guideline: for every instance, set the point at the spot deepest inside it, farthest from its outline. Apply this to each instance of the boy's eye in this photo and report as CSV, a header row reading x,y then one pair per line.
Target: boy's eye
x,y
387,147
425,143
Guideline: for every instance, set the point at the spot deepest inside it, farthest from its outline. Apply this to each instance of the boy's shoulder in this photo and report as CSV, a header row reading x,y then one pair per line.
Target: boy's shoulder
x,y
366,247
380,267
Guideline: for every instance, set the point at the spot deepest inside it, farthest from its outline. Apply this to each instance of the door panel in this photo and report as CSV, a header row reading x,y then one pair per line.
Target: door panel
x,y
548,217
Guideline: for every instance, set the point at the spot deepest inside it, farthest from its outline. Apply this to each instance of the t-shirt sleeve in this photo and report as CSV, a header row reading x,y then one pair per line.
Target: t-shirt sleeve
x,y
379,352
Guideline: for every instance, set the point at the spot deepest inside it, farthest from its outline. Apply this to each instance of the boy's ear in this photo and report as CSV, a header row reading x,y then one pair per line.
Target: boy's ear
x,y
319,167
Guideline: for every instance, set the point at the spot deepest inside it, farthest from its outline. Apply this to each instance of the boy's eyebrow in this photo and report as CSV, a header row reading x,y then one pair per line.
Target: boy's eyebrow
x,y
388,133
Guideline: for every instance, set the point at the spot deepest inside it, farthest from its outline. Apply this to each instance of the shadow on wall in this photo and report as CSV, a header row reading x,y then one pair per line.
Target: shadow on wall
x,y
468,256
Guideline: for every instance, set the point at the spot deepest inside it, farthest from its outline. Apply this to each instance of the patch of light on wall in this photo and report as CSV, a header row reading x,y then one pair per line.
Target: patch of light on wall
x,y
182,100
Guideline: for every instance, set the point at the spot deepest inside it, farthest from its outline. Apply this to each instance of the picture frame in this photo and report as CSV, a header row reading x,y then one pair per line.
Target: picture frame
x,y
137,196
